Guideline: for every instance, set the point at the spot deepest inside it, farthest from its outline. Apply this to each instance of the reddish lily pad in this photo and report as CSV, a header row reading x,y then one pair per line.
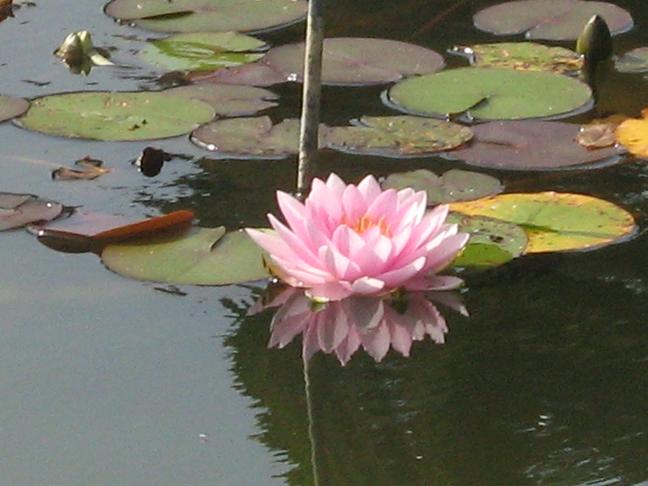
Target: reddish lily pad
x,y
18,210
556,221
634,61
453,185
530,145
11,107
253,74
228,100
208,15
550,19
202,257
358,61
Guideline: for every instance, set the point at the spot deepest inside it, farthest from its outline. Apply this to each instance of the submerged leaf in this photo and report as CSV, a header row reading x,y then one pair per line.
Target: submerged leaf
x,y
203,257
634,61
556,221
453,185
633,135
491,94
228,100
17,210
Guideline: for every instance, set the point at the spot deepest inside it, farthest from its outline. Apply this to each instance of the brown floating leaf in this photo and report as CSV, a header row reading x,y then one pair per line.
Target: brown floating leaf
x,y
600,132
88,169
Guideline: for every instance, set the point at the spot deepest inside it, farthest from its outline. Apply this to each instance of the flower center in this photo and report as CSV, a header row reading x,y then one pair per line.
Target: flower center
x,y
366,223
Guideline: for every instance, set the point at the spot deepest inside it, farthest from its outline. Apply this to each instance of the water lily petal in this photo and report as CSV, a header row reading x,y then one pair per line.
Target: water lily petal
x,y
367,286
369,188
398,277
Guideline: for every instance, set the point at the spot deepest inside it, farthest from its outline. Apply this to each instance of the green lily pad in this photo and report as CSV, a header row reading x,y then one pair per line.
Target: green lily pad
x,y
634,61
208,15
11,107
357,61
17,210
203,257
397,136
115,116
228,100
491,242
531,145
203,51
556,221
522,56
550,19
453,185
249,137
491,94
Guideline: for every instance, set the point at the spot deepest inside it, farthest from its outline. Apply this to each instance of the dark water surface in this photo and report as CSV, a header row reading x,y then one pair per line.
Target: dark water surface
x,y
109,381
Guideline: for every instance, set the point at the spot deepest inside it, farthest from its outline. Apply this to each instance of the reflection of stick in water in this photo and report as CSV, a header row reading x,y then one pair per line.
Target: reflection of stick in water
x,y
311,423
309,136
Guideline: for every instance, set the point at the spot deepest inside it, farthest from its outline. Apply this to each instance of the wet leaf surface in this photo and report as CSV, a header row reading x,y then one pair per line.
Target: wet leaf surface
x,y
208,15
397,136
633,135
530,145
202,257
115,116
634,61
203,51
11,107
550,19
556,221
228,100
18,210
491,94
453,185
357,61
492,242
522,56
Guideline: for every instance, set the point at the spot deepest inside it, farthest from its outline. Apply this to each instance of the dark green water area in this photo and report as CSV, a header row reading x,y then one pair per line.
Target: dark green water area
x,y
106,380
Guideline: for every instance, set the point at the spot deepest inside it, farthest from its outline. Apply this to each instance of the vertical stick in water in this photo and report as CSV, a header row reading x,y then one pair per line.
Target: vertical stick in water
x,y
309,136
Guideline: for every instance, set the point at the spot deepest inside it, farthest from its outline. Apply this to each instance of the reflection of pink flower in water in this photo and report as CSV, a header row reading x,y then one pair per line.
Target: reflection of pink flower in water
x,y
360,240
373,323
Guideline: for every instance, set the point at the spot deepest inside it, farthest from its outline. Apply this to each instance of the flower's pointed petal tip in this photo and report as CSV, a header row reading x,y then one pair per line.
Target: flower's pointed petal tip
x,y
334,182
369,187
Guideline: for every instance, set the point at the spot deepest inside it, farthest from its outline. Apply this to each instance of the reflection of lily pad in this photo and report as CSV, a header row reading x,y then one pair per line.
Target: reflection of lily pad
x,y
203,51
522,56
556,221
115,116
17,210
529,145
208,15
397,136
634,61
249,137
454,185
228,100
11,107
491,94
550,19
491,242
204,257
358,61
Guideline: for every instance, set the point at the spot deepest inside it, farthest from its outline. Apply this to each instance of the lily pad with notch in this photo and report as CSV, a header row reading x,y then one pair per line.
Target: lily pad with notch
x,y
531,145
11,107
208,15
205,256
112,116
17,210
397,136
453,185
556,221
550,19
228,100
204,51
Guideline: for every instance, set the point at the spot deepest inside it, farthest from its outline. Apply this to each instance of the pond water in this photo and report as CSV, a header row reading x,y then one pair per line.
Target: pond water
x,y
105,380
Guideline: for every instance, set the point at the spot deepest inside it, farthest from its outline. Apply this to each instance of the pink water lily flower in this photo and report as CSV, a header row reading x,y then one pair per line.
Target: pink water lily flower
x,y
347,239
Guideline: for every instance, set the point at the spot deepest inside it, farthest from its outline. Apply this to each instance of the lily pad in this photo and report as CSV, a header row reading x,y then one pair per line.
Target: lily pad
x,y
115,116
203,257
358,61
522,56
491,94
453,185
11,107
491,242
633,135
397,136
17,210
634,61
203,51
208,15
249,137
550,19
228,100
556,221
253,74
530,145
